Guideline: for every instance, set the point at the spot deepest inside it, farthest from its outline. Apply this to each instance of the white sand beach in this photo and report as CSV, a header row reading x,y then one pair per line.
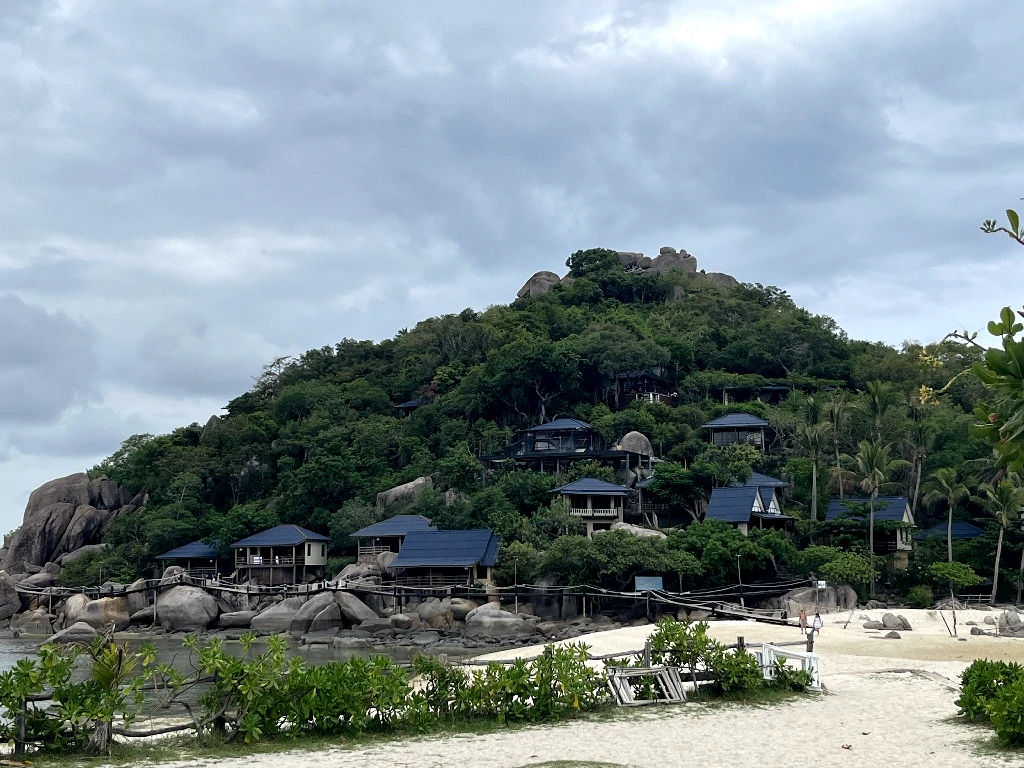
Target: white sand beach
x,y
888,702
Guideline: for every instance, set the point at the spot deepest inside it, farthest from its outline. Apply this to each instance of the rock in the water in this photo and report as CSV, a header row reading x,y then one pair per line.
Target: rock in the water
x,y
137,597
278,617
37,622
406,492
309,611
186,609
490,621
74,607
375,625
353,610
426,638
143,617
79,632
637,530
236,619
329,619
892,635
401,621
106,613
460,607
10,600
539,284
636,442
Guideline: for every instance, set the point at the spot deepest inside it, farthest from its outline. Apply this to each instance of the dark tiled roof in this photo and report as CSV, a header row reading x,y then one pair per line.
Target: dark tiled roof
x,y
280,536
765,481
399,525
734,421
645,483
731,505
195,550
961,530
559,425
767,494
591,486
411,404
889,508
423,549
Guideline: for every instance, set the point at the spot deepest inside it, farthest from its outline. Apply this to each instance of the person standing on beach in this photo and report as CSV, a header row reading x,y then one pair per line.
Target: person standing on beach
x,y
816,624
803,621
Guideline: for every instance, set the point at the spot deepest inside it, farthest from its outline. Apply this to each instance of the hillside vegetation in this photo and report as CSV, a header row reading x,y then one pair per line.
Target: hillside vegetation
x,y
318,436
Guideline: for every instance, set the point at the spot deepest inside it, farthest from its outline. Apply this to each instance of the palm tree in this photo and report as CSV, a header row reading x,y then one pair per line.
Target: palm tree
x,y
944,487
875,468
836,410
1004,502
812,440
920,441
811,410
880,399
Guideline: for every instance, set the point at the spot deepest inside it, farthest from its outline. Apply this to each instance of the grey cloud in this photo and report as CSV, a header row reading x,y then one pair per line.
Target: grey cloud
x,y
47,362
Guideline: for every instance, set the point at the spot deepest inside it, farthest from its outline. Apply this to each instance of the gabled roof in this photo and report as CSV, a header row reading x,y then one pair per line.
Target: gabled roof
x,y
399,525
887,508
195,550
961,530
732,505
591,486
411,404
423,549
559,425
280,536
735,421
765,481
767,497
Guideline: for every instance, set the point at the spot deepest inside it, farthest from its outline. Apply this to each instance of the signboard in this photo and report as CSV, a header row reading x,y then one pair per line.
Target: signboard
x,y
649,584
821,585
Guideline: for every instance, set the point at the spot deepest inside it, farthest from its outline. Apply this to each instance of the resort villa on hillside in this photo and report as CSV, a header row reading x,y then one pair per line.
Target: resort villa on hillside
x,y
388,535
738,428
597,503
891,509
286,554
430,558
198,559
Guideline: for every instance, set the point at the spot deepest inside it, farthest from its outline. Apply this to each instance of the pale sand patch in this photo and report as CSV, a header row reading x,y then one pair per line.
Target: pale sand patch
x,y
885,715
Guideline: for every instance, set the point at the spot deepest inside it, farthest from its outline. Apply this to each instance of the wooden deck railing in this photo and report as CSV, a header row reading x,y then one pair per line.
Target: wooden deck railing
x,y
432,581
257,560
584,512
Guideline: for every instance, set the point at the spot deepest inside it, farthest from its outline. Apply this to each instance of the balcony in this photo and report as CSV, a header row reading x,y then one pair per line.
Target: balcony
x,y
263,561
585,512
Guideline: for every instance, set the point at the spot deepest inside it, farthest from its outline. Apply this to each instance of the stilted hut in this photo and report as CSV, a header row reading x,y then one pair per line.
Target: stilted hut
x,y
198,559
287,554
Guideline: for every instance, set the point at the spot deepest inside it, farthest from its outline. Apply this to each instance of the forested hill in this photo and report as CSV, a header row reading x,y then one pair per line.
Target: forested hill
x,y
318,436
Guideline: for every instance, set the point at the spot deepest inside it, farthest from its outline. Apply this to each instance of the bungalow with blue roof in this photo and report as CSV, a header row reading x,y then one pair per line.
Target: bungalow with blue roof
x,y
273,556
747,506
431,558
891,509
597,503
961,531
388,535
737,428
198,559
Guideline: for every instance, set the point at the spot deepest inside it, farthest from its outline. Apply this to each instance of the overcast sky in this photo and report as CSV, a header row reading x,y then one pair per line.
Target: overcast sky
x,y
190,189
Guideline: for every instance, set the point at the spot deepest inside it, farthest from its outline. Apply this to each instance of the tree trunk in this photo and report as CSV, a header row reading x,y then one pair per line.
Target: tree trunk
x,y
871,541
995,573
949,534
814,491
839,471
1020,577
917,486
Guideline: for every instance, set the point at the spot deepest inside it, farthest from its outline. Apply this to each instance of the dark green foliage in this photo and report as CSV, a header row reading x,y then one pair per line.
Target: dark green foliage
x,y
993,691
920,596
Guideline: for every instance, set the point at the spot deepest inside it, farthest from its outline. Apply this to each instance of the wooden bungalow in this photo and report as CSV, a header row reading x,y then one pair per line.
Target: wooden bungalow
x,y
198,559
894,509
287,554
406,408
388,535
738,428
622,389
747,506
554,446
596,502
961,532
430,558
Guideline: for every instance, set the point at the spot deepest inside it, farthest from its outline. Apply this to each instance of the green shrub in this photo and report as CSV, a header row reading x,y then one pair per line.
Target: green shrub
x,y
920,596
981,684
789,678
1007,713
736,672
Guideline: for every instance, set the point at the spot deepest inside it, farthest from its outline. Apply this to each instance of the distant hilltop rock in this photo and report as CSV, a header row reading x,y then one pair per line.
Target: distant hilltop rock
x,y
633,262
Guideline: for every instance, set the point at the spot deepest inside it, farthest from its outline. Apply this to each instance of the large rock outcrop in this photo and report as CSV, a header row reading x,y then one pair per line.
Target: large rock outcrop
x,y
353,610
278,617
637,442
64,515
829,600
405,492
669,258
185,608
490,621
107,613
540,283
10,600
637,530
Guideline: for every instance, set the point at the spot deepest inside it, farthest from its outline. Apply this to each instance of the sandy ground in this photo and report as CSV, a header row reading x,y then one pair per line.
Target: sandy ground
x,y
887,702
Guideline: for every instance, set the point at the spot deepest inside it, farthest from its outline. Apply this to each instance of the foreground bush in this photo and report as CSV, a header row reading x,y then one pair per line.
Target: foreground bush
x,y
993,692
261,694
